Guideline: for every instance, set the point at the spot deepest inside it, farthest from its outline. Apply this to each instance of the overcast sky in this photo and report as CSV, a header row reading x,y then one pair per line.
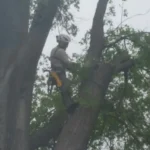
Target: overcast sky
x,y
85,16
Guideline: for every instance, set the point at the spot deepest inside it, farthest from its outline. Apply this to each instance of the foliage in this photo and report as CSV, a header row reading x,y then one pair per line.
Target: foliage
x,y
64,18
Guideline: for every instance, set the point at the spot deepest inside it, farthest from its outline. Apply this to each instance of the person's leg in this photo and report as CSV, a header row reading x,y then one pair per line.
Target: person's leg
x,y
65,90
66,93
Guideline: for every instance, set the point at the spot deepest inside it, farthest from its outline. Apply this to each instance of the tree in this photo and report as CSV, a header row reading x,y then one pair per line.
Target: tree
x,y
20,51
115,121
18,69
19,55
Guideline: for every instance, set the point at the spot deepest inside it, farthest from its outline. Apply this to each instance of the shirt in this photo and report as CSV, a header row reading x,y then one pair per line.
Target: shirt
x,y
59,58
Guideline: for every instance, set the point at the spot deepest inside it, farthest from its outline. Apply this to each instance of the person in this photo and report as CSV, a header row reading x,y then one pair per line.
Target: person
x,y
60,63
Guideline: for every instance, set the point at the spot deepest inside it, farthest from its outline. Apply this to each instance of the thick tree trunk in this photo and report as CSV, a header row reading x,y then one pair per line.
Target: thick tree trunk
x,y
13,30
26,65
76,133
18,61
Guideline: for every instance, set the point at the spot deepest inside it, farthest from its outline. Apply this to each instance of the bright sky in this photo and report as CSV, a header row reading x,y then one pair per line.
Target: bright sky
x,y
85,16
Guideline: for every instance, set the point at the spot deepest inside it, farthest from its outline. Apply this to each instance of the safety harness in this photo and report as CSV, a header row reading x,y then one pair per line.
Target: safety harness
x,y
53,77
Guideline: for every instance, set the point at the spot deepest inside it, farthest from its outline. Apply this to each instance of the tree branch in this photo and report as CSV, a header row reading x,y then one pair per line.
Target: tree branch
x,y
25,70
124,37
97,33
126,65
116,41
51,131
122,62
130,132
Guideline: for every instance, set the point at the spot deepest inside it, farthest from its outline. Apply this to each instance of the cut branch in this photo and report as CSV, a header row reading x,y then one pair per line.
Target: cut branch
x,y
126,65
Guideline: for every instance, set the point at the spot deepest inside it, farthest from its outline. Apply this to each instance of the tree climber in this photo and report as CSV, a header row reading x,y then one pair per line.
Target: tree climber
x,y
60,62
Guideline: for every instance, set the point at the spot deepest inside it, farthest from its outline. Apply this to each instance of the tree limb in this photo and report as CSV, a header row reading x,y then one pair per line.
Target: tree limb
x,y
126,65
123,38
25,70
122,62
116,41
97,33
130,132
51,131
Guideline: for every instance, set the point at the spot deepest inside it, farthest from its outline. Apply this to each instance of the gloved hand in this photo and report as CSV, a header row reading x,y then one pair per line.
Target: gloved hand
x,y
74,67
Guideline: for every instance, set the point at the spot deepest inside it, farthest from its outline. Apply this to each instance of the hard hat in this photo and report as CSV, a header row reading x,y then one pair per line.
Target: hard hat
x,y
63,38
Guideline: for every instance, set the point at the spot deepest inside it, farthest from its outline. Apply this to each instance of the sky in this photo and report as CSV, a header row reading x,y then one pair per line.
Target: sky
x,y
140,9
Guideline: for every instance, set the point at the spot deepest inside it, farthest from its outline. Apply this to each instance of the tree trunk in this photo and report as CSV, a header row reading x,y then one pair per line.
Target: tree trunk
x,y
76,133
14,30
18,68
27,62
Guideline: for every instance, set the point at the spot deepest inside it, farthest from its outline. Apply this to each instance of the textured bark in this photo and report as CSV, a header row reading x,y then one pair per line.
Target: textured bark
x,y
18,61
76,132
97,34
13,30
26,65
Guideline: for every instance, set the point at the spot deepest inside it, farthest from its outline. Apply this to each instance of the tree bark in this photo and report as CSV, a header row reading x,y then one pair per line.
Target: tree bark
x,y
14,30
97,34
76,132
18,61
26,65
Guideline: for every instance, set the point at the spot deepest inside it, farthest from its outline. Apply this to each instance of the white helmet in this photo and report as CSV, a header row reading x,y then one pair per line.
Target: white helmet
x,y
63,38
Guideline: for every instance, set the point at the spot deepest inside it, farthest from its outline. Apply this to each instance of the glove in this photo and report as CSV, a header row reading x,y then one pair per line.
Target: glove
x,y
75,67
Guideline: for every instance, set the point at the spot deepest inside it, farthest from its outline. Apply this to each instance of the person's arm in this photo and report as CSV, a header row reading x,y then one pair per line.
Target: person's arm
x,y
63,57
66,61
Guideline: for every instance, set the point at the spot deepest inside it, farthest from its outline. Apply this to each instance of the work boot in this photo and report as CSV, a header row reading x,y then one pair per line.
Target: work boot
x,y
71,109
